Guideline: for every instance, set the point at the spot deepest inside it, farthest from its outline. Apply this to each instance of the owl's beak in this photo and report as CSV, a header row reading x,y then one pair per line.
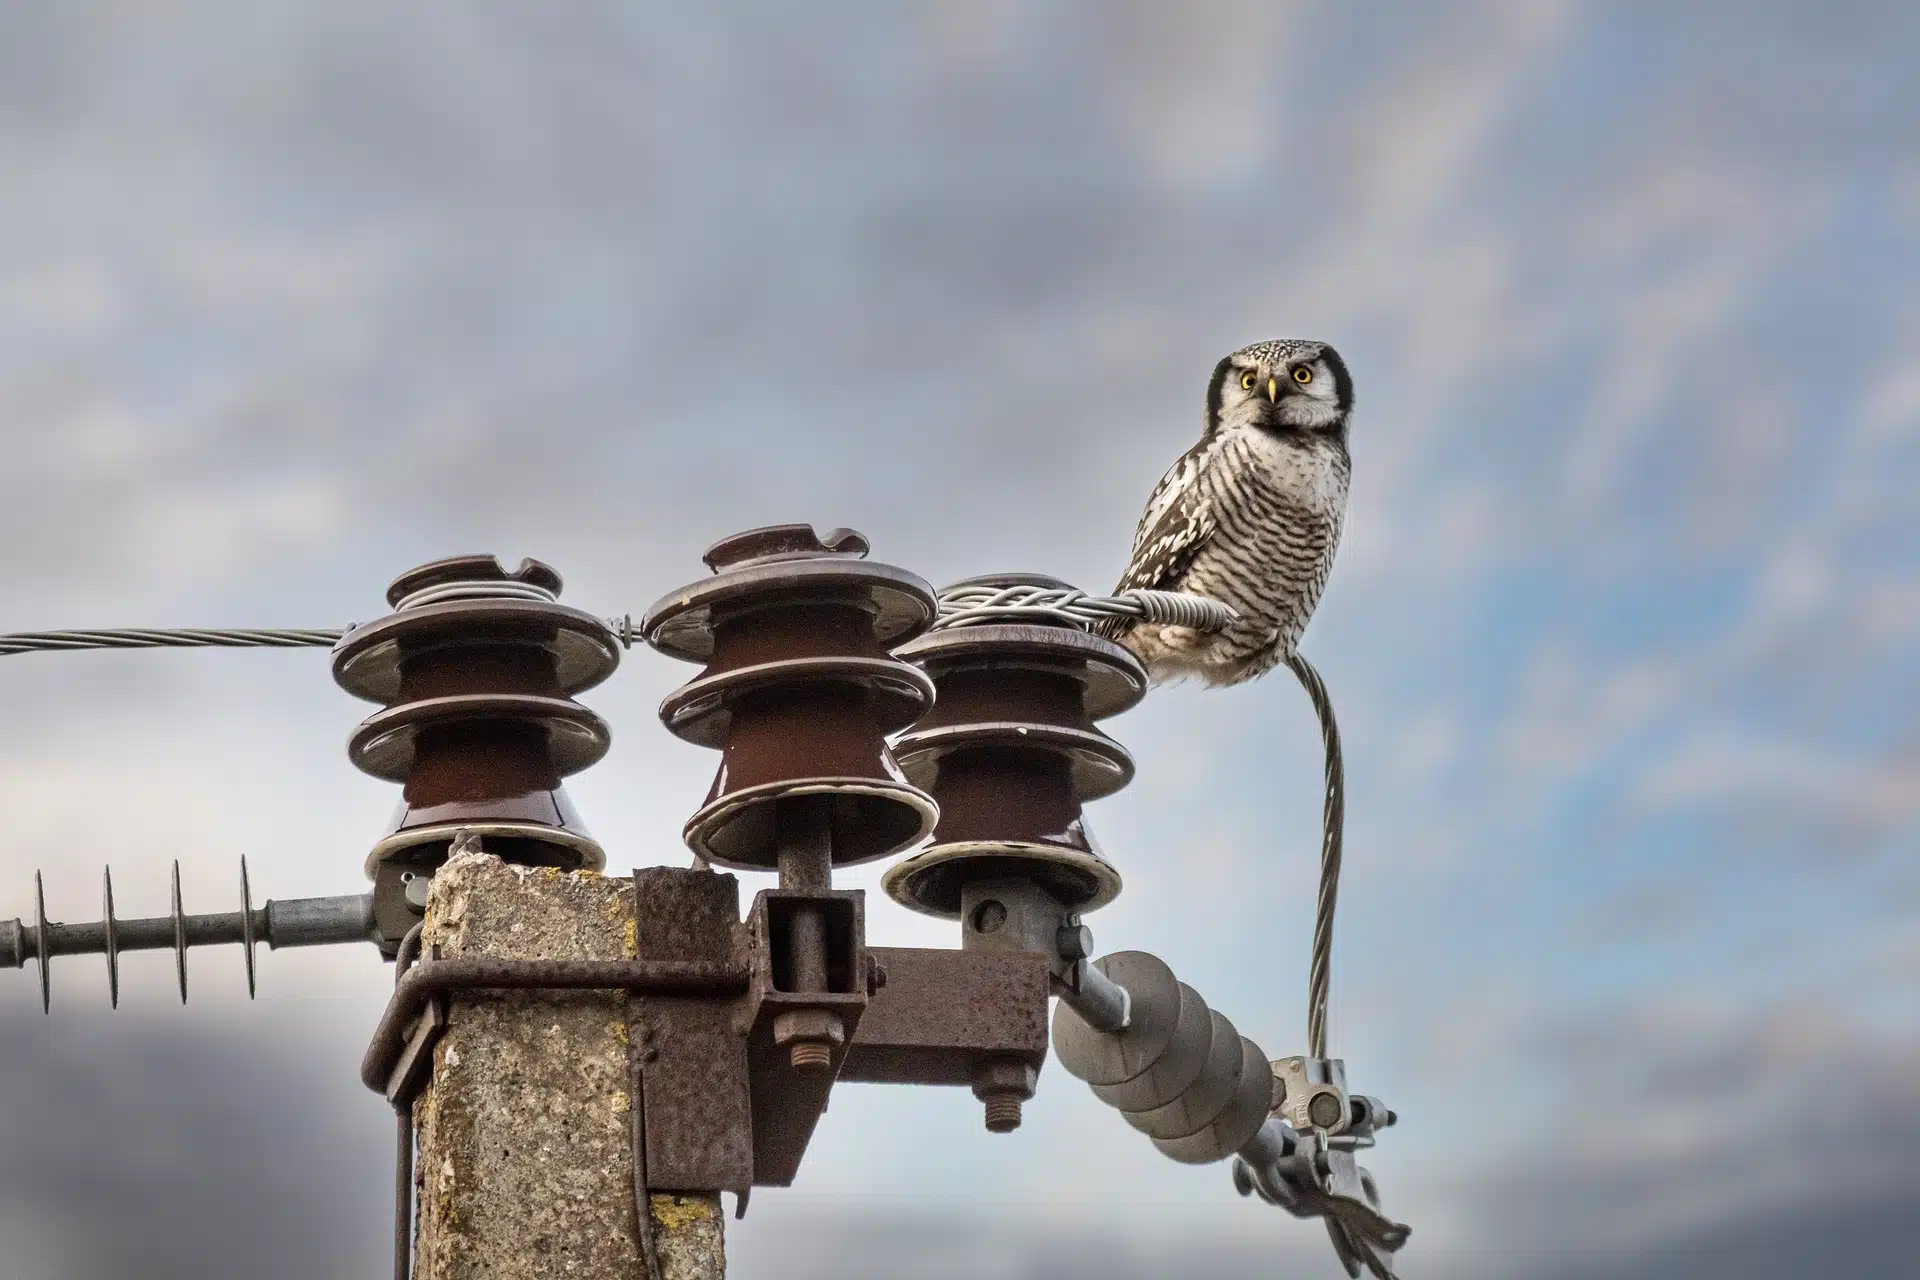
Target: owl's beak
x,y
1273,391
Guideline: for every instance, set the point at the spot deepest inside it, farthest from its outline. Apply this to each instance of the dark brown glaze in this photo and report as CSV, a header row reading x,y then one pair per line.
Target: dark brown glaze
x,y
1010,753
798,692
480,725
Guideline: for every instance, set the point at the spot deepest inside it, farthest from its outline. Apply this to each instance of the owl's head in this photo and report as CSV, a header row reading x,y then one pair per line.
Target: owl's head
x,y
1288,387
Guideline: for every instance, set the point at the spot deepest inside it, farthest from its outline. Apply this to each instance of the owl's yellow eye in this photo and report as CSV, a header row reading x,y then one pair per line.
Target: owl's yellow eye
x,y
1303,376
1247,380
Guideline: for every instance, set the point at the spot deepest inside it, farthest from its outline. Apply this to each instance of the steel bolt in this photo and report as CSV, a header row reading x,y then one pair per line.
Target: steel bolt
x,y
1002,1085
1003,1112
989,916
813,1055
1324,1110
417,885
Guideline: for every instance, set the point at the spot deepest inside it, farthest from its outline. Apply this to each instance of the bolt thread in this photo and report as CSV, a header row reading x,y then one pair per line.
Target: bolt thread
x,y
1003,1112
812,1055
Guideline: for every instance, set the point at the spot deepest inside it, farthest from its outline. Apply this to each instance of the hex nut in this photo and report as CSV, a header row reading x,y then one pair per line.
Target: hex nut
x,y
1004,1076
809,1025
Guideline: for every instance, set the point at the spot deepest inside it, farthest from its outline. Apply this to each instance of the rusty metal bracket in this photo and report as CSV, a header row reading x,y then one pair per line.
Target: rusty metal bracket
x,y
692,1089
471,973
798,1025
940,1015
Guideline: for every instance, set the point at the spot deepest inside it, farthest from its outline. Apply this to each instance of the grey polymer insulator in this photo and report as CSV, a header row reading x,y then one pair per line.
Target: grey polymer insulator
x,y
1110,1057
1206,1095
1237,1122
1175,1070
1180,1073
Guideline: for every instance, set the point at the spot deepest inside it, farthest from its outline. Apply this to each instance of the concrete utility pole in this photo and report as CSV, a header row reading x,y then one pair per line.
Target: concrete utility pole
x,y
525,1164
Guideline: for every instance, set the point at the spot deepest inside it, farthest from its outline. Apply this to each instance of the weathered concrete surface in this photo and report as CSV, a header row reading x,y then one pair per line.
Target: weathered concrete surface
x,y
525,1165
689,1232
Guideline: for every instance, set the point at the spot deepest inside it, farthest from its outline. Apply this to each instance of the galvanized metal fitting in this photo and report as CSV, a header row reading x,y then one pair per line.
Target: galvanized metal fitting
x,y
1311,1093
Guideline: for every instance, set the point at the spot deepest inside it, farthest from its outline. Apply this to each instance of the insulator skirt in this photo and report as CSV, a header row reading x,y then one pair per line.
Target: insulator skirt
x,y
798,692
1179,1072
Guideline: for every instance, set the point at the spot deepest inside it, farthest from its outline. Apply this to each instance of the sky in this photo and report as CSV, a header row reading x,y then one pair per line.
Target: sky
x,y
1624,632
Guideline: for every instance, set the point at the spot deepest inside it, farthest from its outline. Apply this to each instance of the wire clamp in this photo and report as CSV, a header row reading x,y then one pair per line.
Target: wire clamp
x,y
1312,1171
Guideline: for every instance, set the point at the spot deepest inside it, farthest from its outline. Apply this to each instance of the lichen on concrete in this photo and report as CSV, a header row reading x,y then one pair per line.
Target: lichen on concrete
x,y
525,1164
690,1234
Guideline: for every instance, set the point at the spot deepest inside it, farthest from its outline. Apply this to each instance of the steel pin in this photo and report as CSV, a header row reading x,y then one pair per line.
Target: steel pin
x,y
40,942
113,938
246,923
179,934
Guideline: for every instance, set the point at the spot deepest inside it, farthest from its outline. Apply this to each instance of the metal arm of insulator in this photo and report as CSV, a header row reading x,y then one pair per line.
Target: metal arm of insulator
x,y
318,922
1102,1003
297,922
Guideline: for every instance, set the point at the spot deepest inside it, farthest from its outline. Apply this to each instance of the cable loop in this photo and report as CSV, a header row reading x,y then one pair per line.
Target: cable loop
x,y
506,589
1069,606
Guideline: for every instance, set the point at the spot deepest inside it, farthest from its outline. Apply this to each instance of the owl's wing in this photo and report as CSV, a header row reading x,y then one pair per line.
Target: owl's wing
x,y
1176,524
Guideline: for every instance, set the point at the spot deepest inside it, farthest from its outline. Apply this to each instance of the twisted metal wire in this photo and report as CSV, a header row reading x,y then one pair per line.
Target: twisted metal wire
x,y
1333,817
275,637
168,638
965,606
972,606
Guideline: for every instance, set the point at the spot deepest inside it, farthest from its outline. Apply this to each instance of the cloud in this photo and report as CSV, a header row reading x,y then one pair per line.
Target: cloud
x,y
1730,769
1682,1132
296,297
193,1148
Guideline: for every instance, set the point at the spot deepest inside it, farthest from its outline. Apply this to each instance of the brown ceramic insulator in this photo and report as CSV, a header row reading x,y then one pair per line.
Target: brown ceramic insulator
x,y
798,691
477,668
1010,753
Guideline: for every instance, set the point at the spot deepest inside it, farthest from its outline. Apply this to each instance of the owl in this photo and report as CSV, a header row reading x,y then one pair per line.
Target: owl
x,y
1251,515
